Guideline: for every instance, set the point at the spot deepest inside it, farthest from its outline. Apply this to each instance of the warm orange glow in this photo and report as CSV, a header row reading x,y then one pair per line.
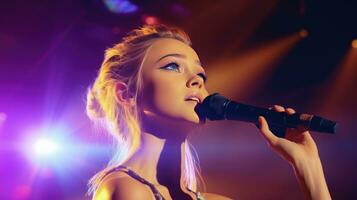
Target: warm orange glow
x,y
151,20
354,43
242,74
303,33
237,16
103,194
340,95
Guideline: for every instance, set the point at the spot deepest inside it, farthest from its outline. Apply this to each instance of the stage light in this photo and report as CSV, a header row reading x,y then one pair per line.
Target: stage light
x,y
338,94
303,33
253,67
45,147
55,148
120,6
48,145
150,20
354,43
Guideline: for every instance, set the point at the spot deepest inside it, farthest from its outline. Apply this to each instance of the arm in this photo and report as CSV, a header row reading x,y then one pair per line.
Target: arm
x,y
300,150
311,179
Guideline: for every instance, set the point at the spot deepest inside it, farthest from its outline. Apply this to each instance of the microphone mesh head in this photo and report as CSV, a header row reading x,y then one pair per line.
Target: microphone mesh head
x,y
213,106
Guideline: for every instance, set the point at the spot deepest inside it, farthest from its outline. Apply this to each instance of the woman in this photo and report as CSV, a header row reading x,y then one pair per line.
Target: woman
x,y
145,95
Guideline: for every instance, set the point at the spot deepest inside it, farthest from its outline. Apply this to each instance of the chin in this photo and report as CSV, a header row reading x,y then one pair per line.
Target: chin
x,y
192,119
183,121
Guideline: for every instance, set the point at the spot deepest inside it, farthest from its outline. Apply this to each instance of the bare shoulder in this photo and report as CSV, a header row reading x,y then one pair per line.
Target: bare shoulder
x,y
211,196
119,186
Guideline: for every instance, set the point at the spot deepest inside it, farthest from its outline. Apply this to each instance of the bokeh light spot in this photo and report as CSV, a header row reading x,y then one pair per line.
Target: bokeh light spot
x,y
354,43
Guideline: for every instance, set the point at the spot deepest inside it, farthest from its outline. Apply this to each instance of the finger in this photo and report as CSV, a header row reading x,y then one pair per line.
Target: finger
x,y
279,108
290,111
266,133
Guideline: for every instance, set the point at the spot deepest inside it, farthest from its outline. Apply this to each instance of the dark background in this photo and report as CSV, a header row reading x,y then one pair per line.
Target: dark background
x,y
50,52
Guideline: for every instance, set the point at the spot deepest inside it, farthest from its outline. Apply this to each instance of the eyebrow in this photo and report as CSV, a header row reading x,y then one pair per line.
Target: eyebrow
x,y
177,55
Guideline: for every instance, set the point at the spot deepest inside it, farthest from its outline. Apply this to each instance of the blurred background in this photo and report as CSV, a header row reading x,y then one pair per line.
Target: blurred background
x,y
296,53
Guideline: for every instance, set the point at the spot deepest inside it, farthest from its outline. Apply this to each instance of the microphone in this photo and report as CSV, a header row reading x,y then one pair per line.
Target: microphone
x,y
218,107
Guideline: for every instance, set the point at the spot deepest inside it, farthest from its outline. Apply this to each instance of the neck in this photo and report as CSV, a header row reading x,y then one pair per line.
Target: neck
x,y
157,154
160,157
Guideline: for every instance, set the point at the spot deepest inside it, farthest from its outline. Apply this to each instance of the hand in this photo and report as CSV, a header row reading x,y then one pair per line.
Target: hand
x,y
295,147
300,150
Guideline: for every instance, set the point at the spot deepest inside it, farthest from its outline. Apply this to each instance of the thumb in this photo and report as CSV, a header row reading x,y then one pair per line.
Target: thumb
x,y
265,131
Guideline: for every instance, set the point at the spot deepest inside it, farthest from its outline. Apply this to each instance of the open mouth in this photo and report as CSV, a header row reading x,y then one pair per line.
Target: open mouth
x,y
194,99
194,103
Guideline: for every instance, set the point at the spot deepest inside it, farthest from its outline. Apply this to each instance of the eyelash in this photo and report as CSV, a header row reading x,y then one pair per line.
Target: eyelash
x,y
202,75
170,64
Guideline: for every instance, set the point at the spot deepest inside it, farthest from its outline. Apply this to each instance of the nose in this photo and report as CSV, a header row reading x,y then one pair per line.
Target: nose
x,y
195,81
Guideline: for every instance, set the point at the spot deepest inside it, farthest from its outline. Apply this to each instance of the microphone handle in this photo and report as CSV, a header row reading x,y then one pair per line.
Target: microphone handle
x,y
243,112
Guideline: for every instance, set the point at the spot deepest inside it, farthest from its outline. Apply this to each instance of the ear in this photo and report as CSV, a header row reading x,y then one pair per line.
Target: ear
x,y
122,95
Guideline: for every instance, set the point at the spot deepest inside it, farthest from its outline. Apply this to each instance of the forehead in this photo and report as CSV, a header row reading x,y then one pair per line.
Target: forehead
x,y
164,46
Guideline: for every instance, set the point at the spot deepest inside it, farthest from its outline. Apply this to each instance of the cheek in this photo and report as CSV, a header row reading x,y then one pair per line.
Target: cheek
x,y
164,95
205,93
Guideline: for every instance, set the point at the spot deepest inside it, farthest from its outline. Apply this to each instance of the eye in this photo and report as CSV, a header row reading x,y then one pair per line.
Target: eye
x,y
172,66
204,77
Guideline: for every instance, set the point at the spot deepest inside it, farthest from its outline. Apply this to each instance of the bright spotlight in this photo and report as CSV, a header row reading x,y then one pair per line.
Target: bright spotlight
x,y
45,147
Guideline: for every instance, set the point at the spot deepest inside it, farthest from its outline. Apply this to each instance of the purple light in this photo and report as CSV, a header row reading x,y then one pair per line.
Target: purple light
x,y
180,10
3,117
120,6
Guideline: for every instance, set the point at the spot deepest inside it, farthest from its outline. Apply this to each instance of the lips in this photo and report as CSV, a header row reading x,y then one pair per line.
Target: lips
x,y
195,96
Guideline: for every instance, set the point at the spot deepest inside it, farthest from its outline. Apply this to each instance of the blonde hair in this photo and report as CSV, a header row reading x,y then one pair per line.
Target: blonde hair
x,y
123,62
